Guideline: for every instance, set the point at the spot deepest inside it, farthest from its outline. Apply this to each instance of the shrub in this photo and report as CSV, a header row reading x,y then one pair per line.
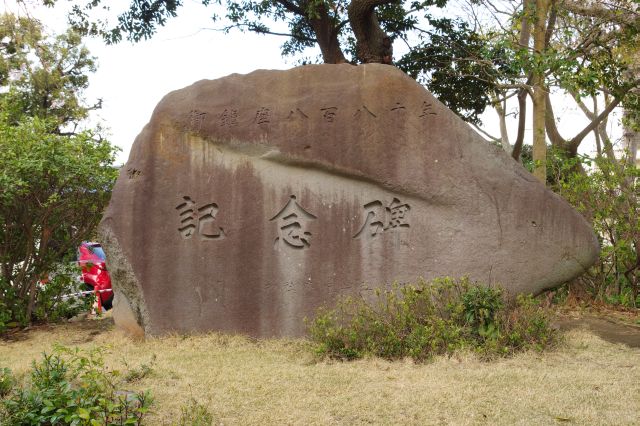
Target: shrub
x,y
481,307
51,301
525,325
431,318
71,387
606,190
5,312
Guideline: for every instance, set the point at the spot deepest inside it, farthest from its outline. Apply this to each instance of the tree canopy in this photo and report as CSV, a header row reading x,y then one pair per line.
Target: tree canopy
x,y
345,31
43,76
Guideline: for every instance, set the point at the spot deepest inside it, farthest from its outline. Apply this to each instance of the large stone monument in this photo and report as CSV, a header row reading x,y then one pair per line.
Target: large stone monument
x,y
249,201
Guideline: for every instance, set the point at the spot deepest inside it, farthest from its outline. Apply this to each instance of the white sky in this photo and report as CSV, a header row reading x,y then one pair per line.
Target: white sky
x,y
132,78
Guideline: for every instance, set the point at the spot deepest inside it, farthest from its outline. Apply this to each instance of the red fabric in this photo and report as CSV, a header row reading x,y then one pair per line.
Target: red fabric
x,y
94,272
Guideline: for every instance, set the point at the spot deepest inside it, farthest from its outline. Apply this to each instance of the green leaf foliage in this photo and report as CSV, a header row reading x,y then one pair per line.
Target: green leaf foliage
x,y
72,387
608,195
456,65
431,318
43,76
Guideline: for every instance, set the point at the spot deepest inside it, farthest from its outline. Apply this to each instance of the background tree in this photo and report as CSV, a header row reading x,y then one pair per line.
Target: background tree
x,y
608,195
54,184
43,76
581,52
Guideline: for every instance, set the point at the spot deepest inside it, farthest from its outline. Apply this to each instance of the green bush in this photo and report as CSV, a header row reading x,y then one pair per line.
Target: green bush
x,y
431,318
71,387
5,312
481,308
53,302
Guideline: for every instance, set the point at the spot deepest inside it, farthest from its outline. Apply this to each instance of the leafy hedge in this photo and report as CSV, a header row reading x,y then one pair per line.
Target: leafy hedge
x,y
432,318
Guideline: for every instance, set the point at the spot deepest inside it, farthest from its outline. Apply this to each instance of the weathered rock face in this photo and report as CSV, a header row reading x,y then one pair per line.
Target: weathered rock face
x,y
249,201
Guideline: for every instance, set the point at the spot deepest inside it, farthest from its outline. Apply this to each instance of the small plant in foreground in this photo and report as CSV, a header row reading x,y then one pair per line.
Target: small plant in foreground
x,y
432,318
71,387
195,414
135,374
481,308
7,382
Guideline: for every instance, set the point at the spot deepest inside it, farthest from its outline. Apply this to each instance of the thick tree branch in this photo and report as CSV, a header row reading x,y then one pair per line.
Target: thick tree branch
x,y
551,24
550,125
253,28
295,36
324,26
577,139
291,7
484,132
500,109
522,121
525,26
372,43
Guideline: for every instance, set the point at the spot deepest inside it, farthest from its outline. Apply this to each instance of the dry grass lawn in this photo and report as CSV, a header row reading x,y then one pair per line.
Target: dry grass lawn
x,y
587,381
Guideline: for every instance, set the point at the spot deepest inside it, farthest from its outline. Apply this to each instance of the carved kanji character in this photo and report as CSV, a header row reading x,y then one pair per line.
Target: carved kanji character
x,y
329,113
380,218
263,115
293,221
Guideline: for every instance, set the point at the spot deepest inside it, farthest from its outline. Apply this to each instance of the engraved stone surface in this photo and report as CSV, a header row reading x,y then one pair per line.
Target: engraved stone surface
x,y
249,201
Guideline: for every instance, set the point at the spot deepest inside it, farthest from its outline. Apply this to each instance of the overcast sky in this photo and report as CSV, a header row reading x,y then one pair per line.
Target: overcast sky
x,y
132,78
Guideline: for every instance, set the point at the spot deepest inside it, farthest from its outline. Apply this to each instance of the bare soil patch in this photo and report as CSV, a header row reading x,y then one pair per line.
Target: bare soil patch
x,y
607,328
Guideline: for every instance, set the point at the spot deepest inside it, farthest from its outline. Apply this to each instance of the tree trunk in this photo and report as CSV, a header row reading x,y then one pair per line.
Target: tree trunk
x,y
631,137
327,36
522,121
632,118
525,36
500,110
539,95
372,43
32,300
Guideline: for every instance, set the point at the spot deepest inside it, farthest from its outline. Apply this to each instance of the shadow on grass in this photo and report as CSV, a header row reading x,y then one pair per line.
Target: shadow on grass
x,y
607,329
85,329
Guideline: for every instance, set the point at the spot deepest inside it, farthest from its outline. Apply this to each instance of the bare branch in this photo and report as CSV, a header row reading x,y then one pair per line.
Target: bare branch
x,y
594,10
253,28
484,132
576,140
291,7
